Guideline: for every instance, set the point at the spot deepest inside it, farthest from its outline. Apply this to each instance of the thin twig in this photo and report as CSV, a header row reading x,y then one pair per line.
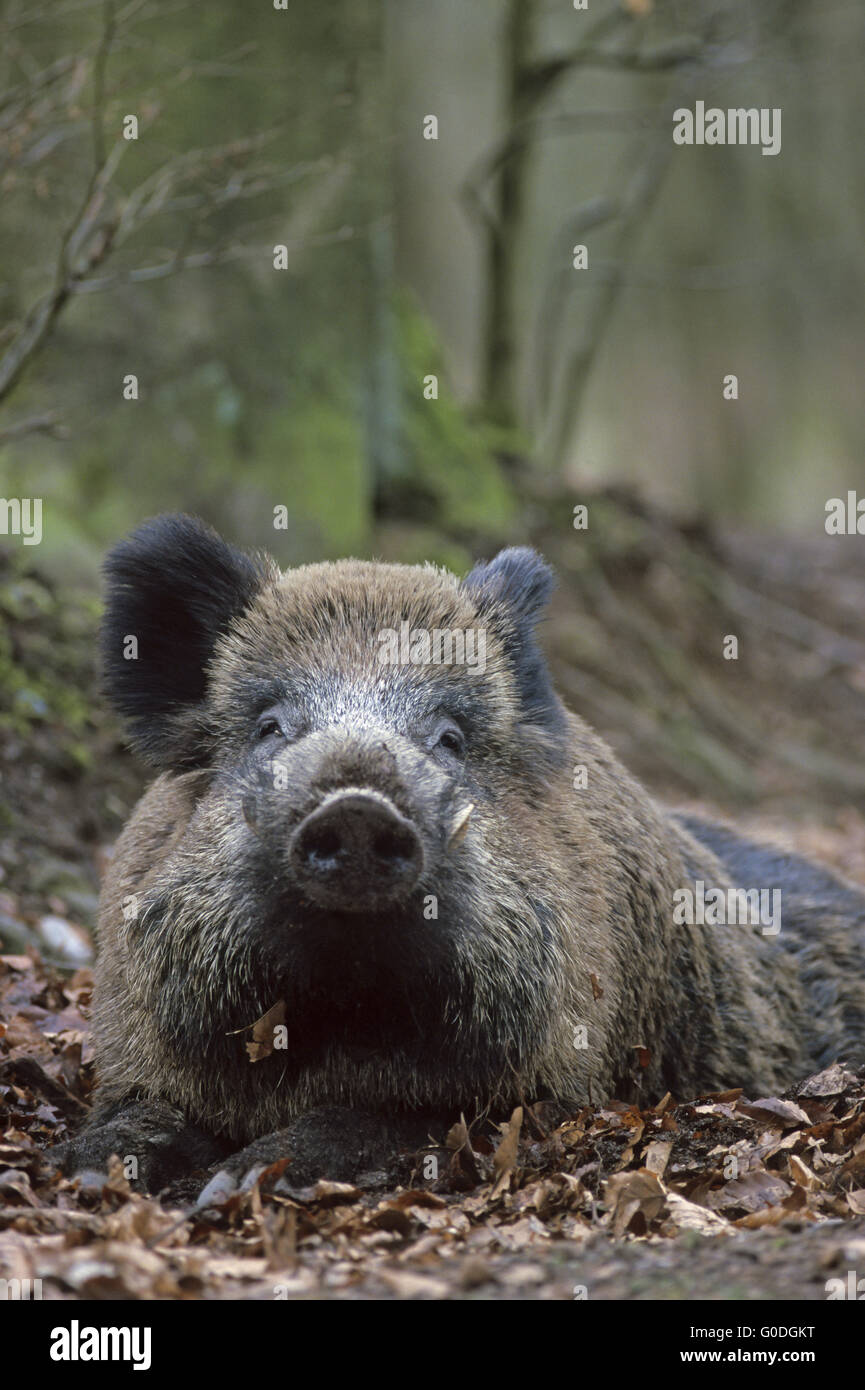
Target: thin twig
x,y
35,424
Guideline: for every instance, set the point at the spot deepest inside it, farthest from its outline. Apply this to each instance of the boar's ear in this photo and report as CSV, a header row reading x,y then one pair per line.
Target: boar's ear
x,y
174,586
511,592
518,578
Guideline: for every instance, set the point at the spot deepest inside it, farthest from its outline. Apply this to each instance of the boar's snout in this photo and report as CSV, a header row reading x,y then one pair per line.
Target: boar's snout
x,y
356,850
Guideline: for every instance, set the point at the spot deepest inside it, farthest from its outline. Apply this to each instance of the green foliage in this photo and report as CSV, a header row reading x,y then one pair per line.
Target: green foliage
x,y
448,456
45,651
310,458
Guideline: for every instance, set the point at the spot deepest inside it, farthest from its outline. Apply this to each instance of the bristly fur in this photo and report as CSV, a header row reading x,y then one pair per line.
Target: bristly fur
x,y
553,907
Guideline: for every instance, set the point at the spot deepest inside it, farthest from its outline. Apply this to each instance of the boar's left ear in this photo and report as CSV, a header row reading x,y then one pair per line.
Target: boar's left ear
x,y
511,592
518,578
173,586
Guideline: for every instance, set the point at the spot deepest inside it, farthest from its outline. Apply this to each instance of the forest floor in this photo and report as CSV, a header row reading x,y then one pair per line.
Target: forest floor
x,y
724,1197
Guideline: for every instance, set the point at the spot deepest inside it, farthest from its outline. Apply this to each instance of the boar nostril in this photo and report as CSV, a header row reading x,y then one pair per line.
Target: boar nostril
x,y
355,850
393,844
323,844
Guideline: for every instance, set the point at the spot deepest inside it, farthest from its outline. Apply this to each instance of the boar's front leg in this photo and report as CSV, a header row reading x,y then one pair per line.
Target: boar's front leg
x,y
154,1140
332,1142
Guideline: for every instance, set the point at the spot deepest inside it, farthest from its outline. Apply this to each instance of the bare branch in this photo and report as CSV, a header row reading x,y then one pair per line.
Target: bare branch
x,y
51,14
151,196
190,186
27,91
676,53
35,424
85,227
199,260
595,212
99,66
562,123
644,187
733,275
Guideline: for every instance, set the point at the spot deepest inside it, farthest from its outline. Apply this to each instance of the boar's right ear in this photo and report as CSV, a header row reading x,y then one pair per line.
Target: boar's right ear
x,y
173,586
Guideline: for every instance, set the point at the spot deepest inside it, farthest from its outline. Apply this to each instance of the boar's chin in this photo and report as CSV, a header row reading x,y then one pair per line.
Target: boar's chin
x,y
382,954
380,984
375,926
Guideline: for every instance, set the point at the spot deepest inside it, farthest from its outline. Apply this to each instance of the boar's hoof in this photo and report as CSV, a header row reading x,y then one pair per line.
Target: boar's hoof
x,y
153,1140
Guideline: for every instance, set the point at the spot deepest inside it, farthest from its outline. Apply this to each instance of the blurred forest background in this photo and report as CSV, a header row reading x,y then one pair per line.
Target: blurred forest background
x,y
304,127
303,386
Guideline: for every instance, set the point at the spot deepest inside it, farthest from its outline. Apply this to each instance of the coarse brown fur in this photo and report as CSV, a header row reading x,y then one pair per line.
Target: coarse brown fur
x,y
549,963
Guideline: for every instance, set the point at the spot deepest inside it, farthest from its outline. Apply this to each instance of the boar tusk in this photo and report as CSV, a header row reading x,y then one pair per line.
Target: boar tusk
x,y
460,825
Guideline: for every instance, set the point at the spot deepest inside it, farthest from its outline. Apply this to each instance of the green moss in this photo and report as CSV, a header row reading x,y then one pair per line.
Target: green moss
x,y
310,458
42,676
447,456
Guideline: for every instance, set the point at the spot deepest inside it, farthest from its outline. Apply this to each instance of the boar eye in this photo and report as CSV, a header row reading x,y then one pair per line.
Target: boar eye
x,y
450,738
267,726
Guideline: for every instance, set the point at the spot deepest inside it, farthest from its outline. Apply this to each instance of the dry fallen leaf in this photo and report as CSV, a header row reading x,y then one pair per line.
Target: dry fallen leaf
x,y
657,1156
753,1191
801,1161
773,1111
833,1081
628,1195
689,1216
801,1174
505,1157
262,1032
463,1167
407,1285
